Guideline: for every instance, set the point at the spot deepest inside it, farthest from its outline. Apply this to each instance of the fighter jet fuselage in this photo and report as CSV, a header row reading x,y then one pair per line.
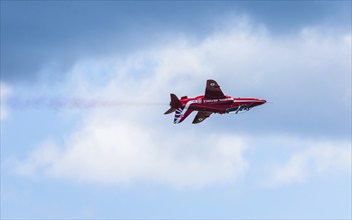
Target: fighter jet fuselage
x,y
214,101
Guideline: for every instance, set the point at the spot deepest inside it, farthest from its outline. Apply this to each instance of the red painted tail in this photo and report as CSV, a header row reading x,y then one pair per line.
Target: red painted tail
x,y
174,104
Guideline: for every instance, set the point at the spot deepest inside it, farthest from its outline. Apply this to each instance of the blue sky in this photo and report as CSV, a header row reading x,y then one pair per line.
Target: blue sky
x,y
62,158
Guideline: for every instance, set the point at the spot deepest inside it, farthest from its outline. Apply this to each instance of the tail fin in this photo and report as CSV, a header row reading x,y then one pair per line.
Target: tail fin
x,y
175,103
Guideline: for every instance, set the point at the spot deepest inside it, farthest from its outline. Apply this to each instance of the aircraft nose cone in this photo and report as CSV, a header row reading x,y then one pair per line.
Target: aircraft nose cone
x,y
263,101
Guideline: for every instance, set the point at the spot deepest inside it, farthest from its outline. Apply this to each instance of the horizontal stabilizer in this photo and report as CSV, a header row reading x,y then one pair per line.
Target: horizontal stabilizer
x,y
171,110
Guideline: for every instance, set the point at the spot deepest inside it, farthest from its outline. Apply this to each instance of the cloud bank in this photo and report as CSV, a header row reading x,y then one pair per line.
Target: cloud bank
x,y
5,93
129,145
313,160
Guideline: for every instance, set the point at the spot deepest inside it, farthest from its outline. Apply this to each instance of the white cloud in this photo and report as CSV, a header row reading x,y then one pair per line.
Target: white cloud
x,y
124,145
317,158
5,92
116,151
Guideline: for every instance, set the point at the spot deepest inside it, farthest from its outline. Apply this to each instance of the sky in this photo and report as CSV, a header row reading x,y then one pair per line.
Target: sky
x,y
84,85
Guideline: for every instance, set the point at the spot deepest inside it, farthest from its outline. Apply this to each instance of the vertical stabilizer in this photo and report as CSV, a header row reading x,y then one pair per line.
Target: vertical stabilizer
x,y
175,103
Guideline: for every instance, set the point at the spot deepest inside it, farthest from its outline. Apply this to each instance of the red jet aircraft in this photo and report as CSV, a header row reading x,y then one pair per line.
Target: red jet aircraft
x,y
213,101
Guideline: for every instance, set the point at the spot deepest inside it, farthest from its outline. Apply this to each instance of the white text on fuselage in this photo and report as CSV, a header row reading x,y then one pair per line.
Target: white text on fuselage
x,y
216,100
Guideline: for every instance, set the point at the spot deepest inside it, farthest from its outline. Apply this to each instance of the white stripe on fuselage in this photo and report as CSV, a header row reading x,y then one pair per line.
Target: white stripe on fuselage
x,y
185,110
247,100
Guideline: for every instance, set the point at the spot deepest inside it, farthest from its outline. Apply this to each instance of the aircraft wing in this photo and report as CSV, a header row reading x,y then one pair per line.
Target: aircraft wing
x,y
213,91
201,116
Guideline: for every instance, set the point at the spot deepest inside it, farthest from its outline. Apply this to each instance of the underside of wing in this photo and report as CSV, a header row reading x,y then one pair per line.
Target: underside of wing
x,y
201,116
213,91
